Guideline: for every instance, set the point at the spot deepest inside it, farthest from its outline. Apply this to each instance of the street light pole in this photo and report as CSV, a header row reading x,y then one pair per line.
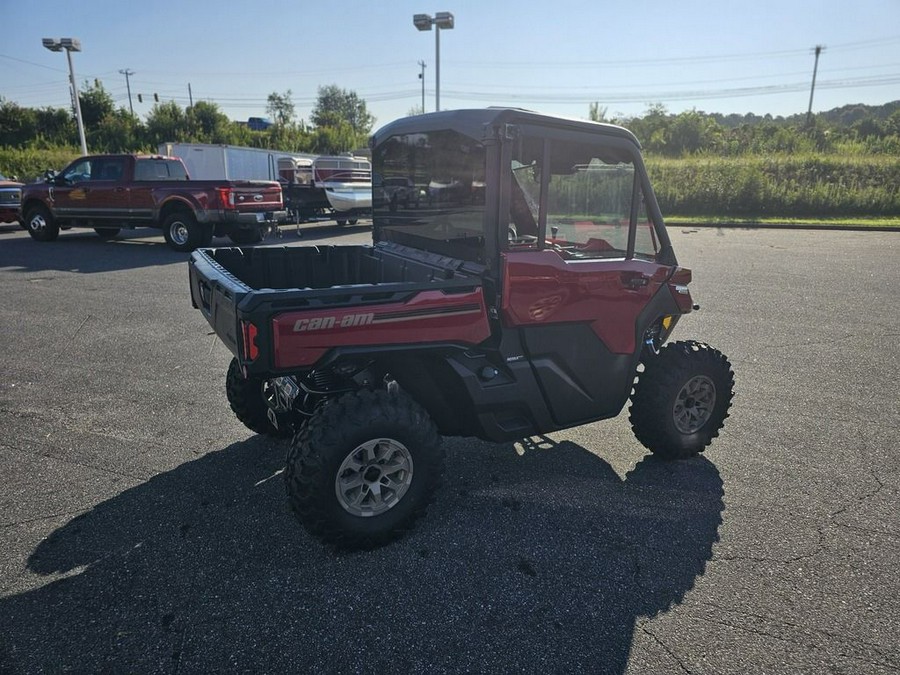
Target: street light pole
x,y
441,20
70,45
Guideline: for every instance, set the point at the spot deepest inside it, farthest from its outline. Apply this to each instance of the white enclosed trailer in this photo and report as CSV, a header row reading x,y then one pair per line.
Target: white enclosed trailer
x,y
206,161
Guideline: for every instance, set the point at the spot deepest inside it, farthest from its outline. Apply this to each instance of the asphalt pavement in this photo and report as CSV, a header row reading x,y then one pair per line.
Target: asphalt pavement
x,y
143,529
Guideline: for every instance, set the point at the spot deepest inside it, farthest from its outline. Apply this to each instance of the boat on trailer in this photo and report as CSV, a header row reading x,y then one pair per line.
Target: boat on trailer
x,y
347,182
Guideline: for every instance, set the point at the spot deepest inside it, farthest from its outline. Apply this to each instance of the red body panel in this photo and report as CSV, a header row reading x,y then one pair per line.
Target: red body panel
x,y
302,338
540,287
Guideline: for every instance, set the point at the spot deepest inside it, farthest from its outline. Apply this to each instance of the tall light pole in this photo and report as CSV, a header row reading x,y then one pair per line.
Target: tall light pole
x,y
70,45
441,20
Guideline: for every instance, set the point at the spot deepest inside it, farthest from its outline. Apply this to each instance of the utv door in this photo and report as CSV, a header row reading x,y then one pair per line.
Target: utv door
x,y
583,268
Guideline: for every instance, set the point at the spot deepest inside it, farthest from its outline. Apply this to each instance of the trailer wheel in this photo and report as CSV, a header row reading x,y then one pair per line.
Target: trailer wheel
x,y
247,398
681,400
183,233
40,224
353,221
107,232
363,469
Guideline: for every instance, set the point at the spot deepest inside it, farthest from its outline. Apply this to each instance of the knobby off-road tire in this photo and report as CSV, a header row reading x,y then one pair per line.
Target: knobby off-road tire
x,y
681,399
40,224
364,469
247,398
183,233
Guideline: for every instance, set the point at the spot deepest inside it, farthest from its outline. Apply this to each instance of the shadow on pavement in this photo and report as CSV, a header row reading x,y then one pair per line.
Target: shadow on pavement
x,y
540,561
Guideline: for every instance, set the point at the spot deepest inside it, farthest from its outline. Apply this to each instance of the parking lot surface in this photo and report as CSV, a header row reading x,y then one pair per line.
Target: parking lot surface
x,y
143,529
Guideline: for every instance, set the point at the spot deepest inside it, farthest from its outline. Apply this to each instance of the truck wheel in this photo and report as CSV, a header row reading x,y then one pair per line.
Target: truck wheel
x,y
340,221
363,469
40,224
247,398
353,221
241,237
681,399
183,233
107,232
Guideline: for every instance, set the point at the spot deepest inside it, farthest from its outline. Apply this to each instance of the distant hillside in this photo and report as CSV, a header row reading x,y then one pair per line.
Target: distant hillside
x,y
845,116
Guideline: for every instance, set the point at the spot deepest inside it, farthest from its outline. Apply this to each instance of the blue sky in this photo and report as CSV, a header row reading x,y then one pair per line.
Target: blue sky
x,y
552,56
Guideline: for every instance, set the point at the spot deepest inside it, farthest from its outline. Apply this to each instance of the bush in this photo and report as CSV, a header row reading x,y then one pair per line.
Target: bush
x,y
782,185
29,164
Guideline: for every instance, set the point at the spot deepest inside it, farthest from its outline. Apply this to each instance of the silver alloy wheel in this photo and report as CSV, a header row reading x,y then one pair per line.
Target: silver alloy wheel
x,y
179,232
37,223
374,477
694,404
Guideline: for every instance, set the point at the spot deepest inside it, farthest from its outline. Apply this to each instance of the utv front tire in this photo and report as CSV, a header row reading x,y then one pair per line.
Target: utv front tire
x,y
364,469
681,399
247,398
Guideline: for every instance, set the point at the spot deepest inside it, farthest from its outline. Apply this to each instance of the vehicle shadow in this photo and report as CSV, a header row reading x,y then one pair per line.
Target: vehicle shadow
x,y
535,558
82,251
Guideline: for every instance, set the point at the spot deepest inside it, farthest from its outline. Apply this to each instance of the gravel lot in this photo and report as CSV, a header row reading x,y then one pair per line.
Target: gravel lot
x,y
143,529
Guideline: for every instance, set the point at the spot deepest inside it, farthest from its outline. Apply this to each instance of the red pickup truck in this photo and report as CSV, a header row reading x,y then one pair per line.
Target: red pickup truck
x,y
109,192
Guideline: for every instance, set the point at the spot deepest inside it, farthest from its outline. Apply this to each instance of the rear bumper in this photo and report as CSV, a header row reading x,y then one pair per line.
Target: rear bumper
x,y
243,219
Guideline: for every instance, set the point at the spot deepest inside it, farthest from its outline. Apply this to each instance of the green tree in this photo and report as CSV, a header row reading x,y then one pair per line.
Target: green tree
x,y
335,105
280,107
96,103
208,124
18,125
596,113
167,122
54,127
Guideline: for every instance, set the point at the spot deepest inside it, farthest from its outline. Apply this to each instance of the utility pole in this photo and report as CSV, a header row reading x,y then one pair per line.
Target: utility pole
x,y
128,73
422,77
190,95
812,89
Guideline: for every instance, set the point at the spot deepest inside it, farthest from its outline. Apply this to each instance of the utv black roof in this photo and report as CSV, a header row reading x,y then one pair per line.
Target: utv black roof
x,y
480,123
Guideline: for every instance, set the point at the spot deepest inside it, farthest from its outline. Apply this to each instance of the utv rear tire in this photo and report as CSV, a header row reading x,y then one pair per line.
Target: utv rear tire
x,y
247,398
364,469
681,399
183,233
40,224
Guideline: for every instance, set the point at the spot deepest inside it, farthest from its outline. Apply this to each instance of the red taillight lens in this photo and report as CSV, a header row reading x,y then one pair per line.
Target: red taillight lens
x,y
251,351
226,196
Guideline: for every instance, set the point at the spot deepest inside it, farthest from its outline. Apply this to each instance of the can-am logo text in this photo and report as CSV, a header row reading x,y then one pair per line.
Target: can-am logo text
x,y
325,322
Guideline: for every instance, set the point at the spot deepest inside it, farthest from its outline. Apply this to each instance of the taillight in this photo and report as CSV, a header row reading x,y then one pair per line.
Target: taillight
x,y
226,196
251,351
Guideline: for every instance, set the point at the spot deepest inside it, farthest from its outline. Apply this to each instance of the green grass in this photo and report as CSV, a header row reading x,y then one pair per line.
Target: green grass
x,y
769,221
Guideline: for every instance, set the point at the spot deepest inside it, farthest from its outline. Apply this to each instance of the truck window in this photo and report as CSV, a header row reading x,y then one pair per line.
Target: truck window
x,y
78,172
430,193
108,168
157,168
